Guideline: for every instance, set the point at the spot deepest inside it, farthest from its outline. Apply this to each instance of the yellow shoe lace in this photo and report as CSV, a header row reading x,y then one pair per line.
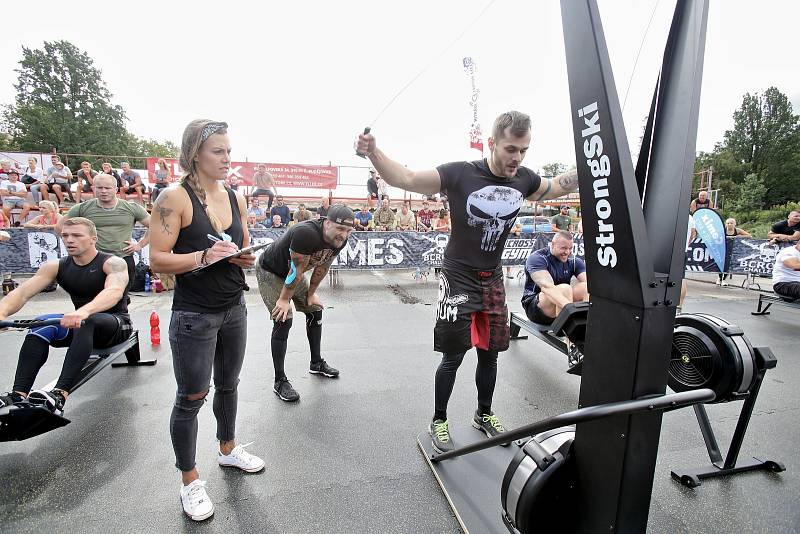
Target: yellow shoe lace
x,y
494,421
441,431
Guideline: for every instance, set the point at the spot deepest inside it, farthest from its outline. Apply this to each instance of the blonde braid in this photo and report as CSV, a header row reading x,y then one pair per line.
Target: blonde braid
x,y
194,183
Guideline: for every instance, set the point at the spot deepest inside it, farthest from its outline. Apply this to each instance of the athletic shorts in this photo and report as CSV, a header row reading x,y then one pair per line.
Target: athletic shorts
x,y
535,313
270,286
132,189
14,202
787,290
471,311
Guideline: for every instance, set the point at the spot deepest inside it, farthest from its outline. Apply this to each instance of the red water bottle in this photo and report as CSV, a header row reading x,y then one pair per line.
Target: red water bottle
x,y
155,331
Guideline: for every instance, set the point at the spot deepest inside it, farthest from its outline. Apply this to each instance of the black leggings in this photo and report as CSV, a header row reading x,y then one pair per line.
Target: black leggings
x,y
485,378
280,336
99,330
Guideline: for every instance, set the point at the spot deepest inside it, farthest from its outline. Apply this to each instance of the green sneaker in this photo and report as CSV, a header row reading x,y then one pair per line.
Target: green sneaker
x,y
440,436
489,424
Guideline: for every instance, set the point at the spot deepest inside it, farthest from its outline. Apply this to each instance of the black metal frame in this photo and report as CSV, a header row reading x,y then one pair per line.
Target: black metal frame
x,y
730,464
634,223
773,299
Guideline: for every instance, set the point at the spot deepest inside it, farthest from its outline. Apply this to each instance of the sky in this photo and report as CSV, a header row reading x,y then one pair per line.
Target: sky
x,y
296,81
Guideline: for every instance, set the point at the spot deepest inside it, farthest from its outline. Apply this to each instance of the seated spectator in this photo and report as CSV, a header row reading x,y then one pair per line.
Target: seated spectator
x,y
277,222
281,209
702,201
5,168
383,187
384,217
48,216
786,273
15,195
548,273
162,178
425,217
33,179
562,220
58,178
322,210
405,218
232,182
255,210
786,231
363,219
265,184
131,183
111,172
253,223
85,179
442,222
302,214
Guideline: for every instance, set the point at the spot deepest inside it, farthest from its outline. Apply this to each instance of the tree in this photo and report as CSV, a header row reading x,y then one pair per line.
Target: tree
x,y
554,169
751,194
766,139
62,102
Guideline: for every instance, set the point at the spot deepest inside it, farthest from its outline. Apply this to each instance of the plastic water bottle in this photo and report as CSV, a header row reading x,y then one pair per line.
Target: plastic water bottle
x,y
147,282
155,331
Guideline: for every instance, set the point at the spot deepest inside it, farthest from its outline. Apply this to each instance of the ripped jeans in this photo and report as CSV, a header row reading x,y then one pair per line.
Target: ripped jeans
x,y
202,343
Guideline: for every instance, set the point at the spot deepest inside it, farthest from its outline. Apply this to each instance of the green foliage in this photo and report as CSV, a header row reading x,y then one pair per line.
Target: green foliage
x,y
766,139
751,194
554,169
62,103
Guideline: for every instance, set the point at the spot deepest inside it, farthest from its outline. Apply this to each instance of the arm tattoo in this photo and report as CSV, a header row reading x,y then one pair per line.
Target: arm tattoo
x,y
297,266
544,194
568,181
163,212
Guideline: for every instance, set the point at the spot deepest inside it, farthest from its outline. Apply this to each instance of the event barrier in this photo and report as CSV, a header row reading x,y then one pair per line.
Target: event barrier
x,y
28,249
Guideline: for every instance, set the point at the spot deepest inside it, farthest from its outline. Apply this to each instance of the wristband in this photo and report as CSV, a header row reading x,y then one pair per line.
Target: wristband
x,y
203,260
197,263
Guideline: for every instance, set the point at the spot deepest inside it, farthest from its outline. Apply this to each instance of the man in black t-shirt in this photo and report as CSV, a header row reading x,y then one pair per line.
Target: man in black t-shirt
x,y
786,231
485,197
307,246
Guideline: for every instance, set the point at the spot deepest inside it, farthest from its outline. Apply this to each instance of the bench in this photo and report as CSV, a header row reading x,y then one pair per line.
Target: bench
x,y
766,300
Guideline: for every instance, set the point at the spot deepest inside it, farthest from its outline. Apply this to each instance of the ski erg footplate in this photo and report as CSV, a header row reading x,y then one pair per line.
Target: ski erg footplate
x,y
23,421
471,483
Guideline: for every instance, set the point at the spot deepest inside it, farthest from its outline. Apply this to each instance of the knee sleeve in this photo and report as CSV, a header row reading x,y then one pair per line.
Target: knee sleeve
x,y
314,319
50,333
280,330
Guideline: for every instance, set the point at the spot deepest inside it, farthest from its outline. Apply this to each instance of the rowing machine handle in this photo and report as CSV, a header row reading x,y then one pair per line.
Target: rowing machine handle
x,y
366,131
29,323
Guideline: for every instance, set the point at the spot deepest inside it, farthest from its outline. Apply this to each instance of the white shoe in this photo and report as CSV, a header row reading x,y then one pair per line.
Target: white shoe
x,y
718,282
195,501
724,283
242,459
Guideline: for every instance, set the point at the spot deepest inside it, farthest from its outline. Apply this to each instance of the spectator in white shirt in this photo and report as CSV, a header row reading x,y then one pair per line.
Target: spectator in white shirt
x,y
15,195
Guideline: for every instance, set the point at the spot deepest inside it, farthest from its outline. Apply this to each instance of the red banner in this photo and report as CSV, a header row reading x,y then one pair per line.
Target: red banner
x,y
284,174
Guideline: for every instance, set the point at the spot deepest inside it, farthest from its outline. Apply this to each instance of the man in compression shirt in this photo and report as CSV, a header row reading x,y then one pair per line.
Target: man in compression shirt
x,y
485,197
97,283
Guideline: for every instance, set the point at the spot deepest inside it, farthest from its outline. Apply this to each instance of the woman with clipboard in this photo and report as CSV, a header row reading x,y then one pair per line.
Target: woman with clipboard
x,y
208,329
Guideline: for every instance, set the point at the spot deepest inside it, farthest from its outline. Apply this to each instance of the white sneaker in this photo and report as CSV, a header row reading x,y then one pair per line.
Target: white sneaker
x,y
724,283
195,501
242,459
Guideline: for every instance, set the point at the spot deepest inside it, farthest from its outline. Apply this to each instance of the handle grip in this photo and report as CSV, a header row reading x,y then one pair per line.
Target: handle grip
x,y
366,131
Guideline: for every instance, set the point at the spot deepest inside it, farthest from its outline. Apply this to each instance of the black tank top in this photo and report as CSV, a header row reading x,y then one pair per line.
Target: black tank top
x,y
700,204
84,282
219,287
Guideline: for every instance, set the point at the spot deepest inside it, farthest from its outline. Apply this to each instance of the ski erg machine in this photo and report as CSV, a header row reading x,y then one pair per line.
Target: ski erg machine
x,y
597,476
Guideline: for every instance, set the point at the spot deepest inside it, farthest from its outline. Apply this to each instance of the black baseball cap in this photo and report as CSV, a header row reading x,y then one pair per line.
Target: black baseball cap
x,y
341,214
13,171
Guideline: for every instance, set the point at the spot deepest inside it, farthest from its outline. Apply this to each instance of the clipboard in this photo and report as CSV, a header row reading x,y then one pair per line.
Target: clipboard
x,y
238,253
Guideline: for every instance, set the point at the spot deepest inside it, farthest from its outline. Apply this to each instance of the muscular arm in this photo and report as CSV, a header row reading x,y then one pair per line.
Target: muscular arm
x,y
548,287
424,182
299,266
318,275
556,187
792,263
14,301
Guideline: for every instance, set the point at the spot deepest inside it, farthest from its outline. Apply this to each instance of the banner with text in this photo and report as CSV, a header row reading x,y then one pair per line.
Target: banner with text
x,y
28,249
284,174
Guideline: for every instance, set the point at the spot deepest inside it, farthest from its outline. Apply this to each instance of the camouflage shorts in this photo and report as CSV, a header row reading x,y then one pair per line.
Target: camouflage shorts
x,y
270,286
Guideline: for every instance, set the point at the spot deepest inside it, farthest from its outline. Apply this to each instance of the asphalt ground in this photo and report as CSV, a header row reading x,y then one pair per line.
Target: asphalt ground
x,y
344,459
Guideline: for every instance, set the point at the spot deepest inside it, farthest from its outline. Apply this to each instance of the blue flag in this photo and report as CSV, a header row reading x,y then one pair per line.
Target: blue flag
x,y
711,230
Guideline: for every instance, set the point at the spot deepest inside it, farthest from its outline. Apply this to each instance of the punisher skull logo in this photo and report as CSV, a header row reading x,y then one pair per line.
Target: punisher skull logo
x,y
493,208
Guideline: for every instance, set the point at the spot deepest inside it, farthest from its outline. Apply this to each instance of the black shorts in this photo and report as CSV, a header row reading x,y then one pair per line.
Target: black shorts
x,y
132,189
535,313
787,290
471,311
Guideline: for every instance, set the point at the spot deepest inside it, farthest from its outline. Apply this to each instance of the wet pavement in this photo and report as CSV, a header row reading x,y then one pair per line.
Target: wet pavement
x,y
344,459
